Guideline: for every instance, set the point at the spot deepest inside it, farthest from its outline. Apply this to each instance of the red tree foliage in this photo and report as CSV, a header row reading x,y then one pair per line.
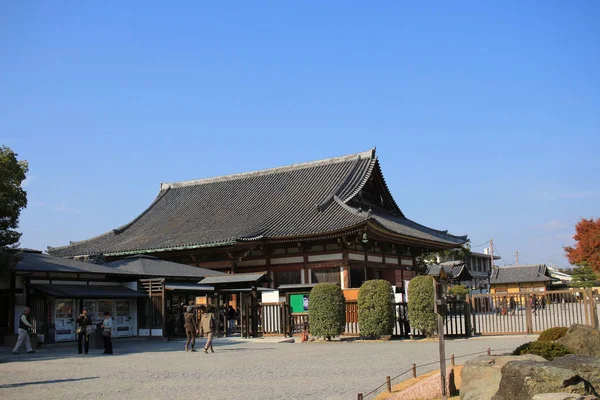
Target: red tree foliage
x,y
587,249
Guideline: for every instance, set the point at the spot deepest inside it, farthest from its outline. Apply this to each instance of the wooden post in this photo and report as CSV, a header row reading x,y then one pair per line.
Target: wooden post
x,y
388,382
489,352
452,360
360,396
414,370
442,347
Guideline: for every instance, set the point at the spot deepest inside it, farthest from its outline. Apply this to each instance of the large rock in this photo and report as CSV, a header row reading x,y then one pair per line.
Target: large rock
x,y
481,376
522,380
582,339
562,396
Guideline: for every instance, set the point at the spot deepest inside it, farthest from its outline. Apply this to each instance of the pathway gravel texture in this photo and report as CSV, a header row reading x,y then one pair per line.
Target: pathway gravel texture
x,y
239,369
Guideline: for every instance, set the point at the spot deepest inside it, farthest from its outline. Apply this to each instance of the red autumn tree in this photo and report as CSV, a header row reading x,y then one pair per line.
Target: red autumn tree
x,y
587,248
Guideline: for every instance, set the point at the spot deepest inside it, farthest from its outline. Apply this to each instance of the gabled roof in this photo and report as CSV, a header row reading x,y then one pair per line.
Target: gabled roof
x,y
287,203
520,273
152,266
456,272
38,262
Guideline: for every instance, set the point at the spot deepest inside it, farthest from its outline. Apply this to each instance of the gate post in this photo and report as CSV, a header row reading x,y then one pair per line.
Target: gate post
x,y
528,315
467,315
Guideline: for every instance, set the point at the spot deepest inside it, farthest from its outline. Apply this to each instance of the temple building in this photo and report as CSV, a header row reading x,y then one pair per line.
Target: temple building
x,y
332,220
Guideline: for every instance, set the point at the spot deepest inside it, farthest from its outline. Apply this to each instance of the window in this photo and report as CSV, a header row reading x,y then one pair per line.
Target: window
x,y
321,275
287,277
357,277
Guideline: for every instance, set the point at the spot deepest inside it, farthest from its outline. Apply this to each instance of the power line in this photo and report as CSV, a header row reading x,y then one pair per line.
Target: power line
x,y
482,244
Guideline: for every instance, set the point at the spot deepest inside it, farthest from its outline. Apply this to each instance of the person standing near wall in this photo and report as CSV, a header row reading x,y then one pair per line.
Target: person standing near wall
x,y
24,327
107,333
82,335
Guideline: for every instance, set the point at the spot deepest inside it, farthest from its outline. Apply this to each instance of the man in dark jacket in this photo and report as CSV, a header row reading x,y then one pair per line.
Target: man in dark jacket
x,y
83,321
191,328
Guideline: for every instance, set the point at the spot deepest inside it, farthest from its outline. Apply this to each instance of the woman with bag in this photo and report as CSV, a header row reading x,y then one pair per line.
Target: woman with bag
x,y
84,322
107,333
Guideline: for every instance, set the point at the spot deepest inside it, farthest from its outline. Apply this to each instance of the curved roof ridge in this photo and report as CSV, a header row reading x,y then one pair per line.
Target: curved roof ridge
x,y
115,231
364,180
437,230
350,157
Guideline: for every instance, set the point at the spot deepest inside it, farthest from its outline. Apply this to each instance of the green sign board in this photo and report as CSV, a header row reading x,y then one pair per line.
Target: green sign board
x,y
299,303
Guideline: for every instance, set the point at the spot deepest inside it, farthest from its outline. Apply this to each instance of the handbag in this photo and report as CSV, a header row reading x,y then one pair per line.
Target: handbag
x,y
79,330
106,333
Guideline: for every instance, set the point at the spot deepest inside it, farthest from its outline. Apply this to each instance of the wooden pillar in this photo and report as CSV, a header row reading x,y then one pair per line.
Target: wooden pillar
x,y
254,307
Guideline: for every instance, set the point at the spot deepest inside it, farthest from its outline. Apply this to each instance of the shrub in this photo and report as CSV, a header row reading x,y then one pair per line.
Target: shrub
x,y
421,310
376,313
327,310
459,291
548,350
552,334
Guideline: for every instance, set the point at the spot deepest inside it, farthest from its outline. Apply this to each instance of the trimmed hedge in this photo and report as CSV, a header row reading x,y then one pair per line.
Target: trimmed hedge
x,y
421,308
552,334
327,310
548,350
376,314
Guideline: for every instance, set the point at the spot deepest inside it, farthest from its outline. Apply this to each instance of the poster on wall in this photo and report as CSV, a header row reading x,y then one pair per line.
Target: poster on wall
x,y
299,303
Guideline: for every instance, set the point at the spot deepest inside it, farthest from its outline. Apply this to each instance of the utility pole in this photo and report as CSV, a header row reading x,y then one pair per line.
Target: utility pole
x,y
491,254
517,263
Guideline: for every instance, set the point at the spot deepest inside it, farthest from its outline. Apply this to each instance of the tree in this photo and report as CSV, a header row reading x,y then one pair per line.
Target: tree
x,y
584,277
459,291
421,308
376,313
587,248
327,311
12,200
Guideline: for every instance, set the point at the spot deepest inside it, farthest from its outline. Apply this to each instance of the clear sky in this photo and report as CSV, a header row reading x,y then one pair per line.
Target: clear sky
x,y
485,116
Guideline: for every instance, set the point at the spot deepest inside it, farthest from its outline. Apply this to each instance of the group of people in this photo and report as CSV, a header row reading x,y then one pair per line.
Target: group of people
x,y
207,326
507,306
85,329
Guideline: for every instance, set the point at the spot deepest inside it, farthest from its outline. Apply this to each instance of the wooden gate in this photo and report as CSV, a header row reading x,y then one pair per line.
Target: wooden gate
x,y
531,312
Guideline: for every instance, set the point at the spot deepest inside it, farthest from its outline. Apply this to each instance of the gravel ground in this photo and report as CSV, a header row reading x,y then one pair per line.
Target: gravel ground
x,y
239,369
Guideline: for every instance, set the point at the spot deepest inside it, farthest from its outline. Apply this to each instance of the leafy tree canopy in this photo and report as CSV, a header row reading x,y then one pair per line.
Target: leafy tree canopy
x,y
584,277
12,200
587,248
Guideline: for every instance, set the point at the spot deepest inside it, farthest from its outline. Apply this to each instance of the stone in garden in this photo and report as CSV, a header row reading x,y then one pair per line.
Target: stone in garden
x,y
481,376
582,339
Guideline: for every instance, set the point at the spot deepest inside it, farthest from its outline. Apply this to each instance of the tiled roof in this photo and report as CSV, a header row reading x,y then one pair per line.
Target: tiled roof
x,y
37,262
520,273
290,202
151,266
454,271
252,277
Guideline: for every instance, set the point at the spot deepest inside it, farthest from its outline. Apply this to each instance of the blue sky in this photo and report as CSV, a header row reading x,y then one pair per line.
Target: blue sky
x,y
485,116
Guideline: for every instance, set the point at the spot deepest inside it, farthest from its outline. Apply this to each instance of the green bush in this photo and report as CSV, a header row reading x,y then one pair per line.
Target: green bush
x,y
548,350
552,334
376,314
327,310
459,291
421,310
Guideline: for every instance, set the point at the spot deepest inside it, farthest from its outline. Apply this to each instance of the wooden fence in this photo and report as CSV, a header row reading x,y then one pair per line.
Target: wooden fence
x,y
481,314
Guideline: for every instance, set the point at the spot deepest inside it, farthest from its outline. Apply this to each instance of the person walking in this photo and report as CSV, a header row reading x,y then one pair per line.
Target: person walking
x,y
82,334
191,329
107,333
24,327
513,305
231,316
207,326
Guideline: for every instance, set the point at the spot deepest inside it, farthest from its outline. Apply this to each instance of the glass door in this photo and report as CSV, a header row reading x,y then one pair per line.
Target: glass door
x,y
65,321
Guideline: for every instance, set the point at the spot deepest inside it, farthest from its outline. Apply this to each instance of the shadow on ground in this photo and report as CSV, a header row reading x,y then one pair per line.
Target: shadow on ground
x,y
15,385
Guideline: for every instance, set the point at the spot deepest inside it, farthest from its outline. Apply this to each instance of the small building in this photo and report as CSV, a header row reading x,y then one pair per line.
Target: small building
x,y
520,278
58,289
456,274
